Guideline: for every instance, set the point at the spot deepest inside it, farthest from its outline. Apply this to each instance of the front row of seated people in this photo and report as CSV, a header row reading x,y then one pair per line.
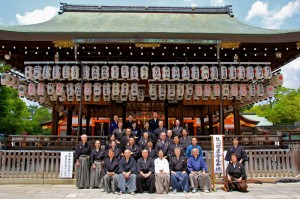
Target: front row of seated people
x,y
130,174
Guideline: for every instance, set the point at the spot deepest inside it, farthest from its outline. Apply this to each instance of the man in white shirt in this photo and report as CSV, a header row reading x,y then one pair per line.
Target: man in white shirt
x,y
162,174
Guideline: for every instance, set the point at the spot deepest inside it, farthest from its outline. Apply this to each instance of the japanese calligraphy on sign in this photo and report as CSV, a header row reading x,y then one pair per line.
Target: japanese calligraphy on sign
x,y
66,165
218,153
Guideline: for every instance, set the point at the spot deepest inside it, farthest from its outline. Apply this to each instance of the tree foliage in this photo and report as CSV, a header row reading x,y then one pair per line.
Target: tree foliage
x,y
283,109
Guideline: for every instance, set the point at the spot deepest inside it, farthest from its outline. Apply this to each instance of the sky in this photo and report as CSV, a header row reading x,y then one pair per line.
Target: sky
x,y
271,14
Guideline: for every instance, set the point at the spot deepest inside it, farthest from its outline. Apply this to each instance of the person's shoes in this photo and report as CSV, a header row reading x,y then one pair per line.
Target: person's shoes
x,y
206,191
120,193
194,191
116,192
132,193
174,191
185,192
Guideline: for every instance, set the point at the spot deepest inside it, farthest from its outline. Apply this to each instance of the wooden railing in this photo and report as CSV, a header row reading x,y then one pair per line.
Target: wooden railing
x,y
45,164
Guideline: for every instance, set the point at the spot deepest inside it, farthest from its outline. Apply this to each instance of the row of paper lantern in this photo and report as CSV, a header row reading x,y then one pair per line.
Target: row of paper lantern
x,y
158,73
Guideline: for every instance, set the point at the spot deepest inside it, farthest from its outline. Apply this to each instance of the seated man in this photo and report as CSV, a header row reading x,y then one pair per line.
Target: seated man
x,y
162,173
163,144
152,151
179,178
127,176
235,174
176,144
145,179
143,141
111,166
198,176
133,148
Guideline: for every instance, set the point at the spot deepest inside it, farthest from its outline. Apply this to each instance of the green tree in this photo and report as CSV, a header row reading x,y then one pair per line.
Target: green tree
x,y
37,116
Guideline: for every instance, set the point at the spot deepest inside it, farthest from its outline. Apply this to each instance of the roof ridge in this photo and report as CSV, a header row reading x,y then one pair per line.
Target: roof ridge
x,y
149,9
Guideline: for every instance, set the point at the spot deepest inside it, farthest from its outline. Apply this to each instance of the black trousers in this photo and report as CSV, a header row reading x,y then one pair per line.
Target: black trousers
x,y
143,184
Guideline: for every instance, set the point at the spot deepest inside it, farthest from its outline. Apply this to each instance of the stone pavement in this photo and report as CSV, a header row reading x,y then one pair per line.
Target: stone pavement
x,y
43,191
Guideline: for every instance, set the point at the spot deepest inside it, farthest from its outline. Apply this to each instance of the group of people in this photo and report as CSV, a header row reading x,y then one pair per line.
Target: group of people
x,y
152,159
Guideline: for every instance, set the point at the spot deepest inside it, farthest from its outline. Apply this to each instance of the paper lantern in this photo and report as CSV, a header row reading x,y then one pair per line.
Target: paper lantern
x,y
267,71
188,92
259,90
185,73
62,98
22,90
114,72
43,99
41,89
66,72
70,91
258,72
134,73
233,90
86,72
131,98
277,80
207,90
29,72
37,72
95,72
106,92
12,81
216,90
47,71
204,71
166,73
195,73
224,74
124,72
162,91
31,89
225,90
156,73
75,72
241,72
175,71
198,91
5,79
105,72
269,91
87,90
251,90
180,91
56,72
141,95
134,89
213,73
124,91
144,72
249,73
171,91
78,91
115,91
97,92
53,98
242,90
232,72
51,89
60,89
16,83
153,91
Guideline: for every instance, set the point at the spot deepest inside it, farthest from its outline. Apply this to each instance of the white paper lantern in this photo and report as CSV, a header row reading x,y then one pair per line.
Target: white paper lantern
x,y
259,90
166,73
241,72
258,72
41,89
156,73
204,70
251,90
29,72
232,72
171,91
60,89
213,71
225,90
242,90
141,95
144,72
37,72
75,72
43,99
66,72
185,73
207,90
131,98
87,90
249,73
198,91
162,91
51,89
62,98
47,71
134,89
70,91
216,90
233,90
224,74
269,91
195,73
175,71
125,72
114,72
124,91
13,81
53,98
95,72
86,72
105,72
56,72
16,84
78,92
277,80
267,71
153,91
134,73
97,92
22,90
188,92
31,89
5,79
115,91
106,92
180,91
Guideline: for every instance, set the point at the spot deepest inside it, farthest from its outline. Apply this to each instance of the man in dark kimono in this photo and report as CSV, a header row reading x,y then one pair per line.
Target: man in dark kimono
x,y
153,123
238,150
128,124
143,141
159,130
177,129
116,150
96,158
163,144
113,124
176,144
145,179
119,132
133,148
152,151
125,139
185,140
111,167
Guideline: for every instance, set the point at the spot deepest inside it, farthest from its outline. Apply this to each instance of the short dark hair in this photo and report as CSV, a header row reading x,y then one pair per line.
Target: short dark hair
x,y
233,154
235,138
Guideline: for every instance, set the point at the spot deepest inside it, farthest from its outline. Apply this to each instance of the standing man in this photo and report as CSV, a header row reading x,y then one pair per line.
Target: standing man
x,y
125,139
177,129
238,150
145,179
159,130
185,140
119,132
153,123
176,144
163,145
189,149
96,159
113,124
128,124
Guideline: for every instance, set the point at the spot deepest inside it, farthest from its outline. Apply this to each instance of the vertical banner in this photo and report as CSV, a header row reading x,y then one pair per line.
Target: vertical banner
x,y
218,153
66,164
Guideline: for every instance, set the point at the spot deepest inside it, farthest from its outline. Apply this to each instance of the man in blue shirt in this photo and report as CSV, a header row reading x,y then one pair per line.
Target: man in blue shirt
x,y
194,145
113,125
198,172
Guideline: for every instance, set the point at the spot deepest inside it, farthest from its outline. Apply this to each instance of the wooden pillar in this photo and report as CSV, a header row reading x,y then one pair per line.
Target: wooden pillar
x,y
69,121
237,122
202,125
55,115
222,125
166,114
124,113
88,119
180,113
210,121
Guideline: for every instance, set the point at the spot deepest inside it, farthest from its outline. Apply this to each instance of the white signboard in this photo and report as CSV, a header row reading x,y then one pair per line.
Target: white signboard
x,y
66,165
218,153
